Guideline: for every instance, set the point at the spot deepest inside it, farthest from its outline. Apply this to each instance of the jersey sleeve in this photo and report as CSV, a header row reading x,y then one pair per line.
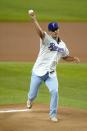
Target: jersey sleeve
x,y
66,52
45,39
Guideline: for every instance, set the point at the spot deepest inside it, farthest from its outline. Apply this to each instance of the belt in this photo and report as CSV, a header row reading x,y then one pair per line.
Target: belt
x,y
51,72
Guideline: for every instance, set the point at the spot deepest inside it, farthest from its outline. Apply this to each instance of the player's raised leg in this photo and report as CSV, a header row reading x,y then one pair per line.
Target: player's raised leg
x,y
34,86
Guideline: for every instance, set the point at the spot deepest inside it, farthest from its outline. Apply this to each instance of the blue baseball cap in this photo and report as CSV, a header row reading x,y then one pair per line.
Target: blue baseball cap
x,y
53,26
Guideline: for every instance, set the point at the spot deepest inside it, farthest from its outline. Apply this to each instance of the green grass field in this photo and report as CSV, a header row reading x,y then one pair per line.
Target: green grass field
x,y
15,79
61,10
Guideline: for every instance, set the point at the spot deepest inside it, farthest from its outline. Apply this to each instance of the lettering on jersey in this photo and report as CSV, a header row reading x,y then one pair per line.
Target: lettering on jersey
x,y
53,47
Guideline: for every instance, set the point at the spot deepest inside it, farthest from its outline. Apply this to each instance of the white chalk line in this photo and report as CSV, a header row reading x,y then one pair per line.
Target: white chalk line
x,y
15,110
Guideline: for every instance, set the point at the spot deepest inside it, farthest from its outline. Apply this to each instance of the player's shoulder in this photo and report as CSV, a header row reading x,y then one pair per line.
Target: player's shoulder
x,y
62,42
46,35
45,39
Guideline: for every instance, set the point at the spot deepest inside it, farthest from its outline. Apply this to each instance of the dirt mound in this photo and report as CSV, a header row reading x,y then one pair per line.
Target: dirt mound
x,y
37,119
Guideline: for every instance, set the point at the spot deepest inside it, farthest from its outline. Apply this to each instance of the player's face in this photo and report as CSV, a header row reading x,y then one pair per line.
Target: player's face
x,y
55,33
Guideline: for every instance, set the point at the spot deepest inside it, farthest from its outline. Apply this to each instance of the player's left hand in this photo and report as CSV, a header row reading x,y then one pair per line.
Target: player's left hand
x,y
76,60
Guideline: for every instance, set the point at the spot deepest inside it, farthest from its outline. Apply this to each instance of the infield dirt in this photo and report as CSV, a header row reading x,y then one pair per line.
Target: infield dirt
x,y
20,42
38,119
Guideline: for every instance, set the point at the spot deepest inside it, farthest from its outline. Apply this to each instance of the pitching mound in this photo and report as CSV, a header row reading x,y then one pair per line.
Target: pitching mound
x,y
18,118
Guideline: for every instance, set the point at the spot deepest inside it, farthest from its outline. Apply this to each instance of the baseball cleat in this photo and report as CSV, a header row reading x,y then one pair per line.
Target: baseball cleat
x,y
54,119
29,104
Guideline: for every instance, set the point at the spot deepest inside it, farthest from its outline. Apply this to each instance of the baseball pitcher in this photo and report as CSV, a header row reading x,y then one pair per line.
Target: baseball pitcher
x,y
52,49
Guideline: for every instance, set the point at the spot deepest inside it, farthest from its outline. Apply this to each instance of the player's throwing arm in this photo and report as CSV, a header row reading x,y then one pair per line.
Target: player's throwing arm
x,y
38,28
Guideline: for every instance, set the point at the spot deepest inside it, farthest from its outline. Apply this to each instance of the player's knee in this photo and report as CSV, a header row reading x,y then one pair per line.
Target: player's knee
x,y
54,92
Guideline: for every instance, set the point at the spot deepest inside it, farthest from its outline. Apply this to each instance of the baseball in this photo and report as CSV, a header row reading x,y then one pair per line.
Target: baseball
x,y
30,12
